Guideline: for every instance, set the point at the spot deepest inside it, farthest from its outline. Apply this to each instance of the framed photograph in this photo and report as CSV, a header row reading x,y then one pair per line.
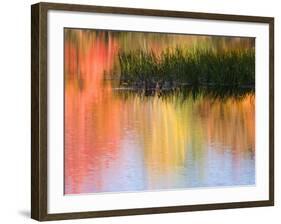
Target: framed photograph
x,y
139,111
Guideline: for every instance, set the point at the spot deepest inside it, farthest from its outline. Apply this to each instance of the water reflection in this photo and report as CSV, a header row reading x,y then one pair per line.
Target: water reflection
x,y
120,140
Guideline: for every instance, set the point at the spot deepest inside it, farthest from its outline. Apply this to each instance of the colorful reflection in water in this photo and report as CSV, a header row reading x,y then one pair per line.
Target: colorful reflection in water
x,y
122,141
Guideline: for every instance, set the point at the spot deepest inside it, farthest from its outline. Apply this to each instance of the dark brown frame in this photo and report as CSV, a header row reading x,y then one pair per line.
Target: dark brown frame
x,y
39,110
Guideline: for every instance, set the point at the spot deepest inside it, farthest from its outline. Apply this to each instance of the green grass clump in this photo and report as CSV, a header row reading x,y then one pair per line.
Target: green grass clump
x,y
179,67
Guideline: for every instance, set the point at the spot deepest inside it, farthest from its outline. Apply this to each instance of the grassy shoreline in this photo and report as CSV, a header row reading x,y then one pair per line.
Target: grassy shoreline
x,y
185,67
214,93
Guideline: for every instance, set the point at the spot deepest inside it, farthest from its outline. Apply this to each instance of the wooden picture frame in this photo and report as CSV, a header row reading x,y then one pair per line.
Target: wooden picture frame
x,y
39,110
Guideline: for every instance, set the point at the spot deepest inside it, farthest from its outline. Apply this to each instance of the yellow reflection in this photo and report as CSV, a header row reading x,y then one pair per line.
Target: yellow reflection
x,y
170,127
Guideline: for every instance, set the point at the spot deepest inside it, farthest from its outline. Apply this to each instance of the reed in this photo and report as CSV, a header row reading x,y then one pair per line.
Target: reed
x,y
179,67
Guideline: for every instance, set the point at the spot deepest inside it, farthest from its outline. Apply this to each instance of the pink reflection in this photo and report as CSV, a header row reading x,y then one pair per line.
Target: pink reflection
x,y
89,110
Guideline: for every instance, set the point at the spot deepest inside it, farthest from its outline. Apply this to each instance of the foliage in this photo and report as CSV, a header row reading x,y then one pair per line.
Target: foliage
x,y
178,67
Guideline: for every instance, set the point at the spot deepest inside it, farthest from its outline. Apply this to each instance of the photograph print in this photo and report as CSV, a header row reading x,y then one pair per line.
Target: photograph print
x,y
148,111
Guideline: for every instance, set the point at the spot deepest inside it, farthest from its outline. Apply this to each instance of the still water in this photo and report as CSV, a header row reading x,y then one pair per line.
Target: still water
x,y
118,140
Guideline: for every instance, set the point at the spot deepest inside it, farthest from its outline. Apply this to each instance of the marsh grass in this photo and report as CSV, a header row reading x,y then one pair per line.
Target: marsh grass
x,y
188,93
185,67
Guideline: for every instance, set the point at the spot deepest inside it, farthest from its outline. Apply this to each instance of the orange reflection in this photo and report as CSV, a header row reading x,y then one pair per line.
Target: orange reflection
x,y
88,107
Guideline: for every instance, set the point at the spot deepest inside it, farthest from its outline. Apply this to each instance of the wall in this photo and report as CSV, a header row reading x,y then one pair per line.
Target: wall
x,y
15,111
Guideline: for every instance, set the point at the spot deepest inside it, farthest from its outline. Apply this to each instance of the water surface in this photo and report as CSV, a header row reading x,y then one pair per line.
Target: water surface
x,y
119,140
